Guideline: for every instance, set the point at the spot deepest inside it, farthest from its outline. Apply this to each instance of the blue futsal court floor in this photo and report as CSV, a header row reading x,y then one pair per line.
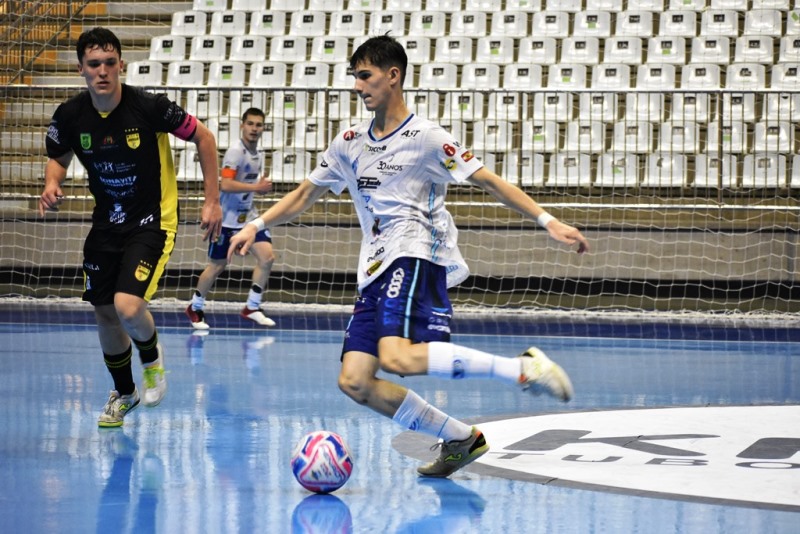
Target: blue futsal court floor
x,y
673,429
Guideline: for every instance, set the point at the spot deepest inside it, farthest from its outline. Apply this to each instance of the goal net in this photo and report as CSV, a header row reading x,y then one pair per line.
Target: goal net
x,y
689,197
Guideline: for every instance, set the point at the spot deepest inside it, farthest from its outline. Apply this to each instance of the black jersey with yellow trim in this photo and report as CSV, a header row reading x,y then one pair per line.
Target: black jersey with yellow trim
x,y
126,154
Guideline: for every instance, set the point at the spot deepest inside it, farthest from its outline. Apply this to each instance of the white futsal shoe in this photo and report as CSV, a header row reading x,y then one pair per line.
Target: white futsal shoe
x,y
540,374
155,381
257,316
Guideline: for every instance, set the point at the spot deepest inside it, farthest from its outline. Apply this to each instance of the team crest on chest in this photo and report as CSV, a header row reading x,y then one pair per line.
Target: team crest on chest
x,y
132,138
86,141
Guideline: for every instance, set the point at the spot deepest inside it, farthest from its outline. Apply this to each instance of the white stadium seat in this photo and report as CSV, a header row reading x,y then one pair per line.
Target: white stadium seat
x,y
228,23
613,6
677,23
144,73
592,24
309,134
567,76
248,48
634,24
617,170
524,168
520,6
569,6
492,135
468,24
720,23
509,24
729,137
598,107
268,23
522,76
210,5
464,106
506,106
580,50
288,49
762,170
552,106
329,49
429,24
456,50
249,5
789,49
773,137
489,6
550,24
166,48
438,76
585,136
687,5
418,49
670,50
290,166
665,171
328,6
537,51
480,76
754,49
348,24
268,74
701,76
424,103
307,24
540,136
189,23
646,5
407,6
711,50
387,22
494,50
627,50
208,48
716,171
679,136
763,22
570,169
632,136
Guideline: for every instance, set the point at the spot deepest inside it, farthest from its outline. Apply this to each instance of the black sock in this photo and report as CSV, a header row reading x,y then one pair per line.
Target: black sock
x,y
119,365
257,288
148,352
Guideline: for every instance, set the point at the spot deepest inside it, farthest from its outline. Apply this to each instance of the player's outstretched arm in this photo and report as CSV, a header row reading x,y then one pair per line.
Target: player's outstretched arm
x,y
211,215
55,172
513,197
286,209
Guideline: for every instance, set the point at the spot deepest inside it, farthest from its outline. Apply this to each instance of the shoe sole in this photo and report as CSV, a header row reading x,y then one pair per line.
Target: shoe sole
x,y
269,324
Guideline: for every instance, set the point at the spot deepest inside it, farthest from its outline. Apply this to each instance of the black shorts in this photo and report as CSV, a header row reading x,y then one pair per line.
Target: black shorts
x,y
130,263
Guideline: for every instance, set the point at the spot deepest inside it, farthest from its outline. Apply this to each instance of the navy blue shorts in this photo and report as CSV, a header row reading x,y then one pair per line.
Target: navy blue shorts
x,y
218,250
408,300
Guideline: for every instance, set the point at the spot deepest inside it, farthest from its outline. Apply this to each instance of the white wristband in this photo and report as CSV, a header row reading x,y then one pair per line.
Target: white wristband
x,y
258,222
544,219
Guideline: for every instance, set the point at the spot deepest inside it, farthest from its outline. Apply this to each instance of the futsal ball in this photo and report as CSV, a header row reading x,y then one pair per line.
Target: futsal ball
x,y
321,461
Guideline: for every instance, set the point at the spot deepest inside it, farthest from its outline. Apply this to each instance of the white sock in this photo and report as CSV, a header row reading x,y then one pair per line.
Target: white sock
x,y
454,361
254,298
420,416
198,302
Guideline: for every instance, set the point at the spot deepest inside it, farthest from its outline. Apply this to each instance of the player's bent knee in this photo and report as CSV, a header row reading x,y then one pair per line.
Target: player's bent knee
x,y
356,389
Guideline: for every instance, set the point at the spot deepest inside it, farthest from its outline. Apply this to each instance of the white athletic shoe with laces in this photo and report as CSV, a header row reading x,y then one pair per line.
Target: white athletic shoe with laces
x,y
257,316
116,408
155,381
540,374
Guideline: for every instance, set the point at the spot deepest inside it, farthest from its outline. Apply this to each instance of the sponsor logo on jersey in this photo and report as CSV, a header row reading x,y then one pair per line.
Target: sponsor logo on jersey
x,y
349,135
411,134
52,132
142,272
466,156
375,149
449,150
389,168
449,164
117,216
108,140
323,163
86,141
374,267
368,182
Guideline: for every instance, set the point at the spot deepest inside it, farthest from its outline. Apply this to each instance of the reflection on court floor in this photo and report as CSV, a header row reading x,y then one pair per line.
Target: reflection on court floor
x,y
213,457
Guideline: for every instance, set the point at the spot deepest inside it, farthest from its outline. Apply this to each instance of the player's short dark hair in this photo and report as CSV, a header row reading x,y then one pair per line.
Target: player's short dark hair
x,y
253,111
102,38
382,51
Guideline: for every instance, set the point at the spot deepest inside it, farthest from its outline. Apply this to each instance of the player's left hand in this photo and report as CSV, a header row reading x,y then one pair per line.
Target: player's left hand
x,y
211,220
568,234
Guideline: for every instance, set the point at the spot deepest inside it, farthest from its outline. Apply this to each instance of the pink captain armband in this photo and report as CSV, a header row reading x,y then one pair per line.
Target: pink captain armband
x,y
258,222
544,219
187,129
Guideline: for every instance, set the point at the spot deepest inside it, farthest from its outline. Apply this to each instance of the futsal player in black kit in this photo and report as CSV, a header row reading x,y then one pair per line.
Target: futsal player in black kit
x,y
120,135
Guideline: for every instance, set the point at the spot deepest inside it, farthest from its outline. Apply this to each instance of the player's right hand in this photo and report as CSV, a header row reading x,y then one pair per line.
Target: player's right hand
x,y
241,241
50,199
263,186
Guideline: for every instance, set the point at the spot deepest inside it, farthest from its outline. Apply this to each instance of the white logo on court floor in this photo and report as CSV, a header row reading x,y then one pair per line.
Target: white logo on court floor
x,y
748,455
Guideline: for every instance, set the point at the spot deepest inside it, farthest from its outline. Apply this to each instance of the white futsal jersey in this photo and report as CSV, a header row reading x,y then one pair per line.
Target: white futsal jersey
x,y
243,166
398,184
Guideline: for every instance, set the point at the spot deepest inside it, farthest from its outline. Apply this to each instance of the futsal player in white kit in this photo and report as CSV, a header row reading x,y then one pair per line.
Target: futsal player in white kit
x,y
243,177
397,167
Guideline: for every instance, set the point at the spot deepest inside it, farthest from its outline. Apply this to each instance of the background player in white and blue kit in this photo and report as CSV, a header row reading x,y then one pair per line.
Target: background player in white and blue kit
x,y
397,167
242,178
